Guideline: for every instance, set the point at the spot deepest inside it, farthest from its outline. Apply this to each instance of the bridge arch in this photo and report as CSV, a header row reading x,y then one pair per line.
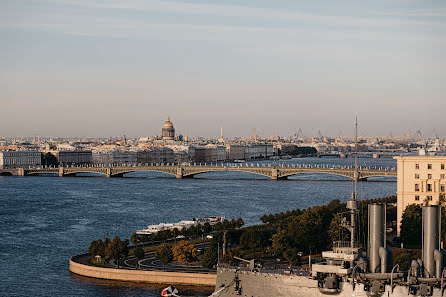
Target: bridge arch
x,y
122,172
322,172
228,169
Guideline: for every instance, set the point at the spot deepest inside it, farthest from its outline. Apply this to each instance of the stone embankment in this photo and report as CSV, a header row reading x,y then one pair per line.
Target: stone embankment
x,y
134,275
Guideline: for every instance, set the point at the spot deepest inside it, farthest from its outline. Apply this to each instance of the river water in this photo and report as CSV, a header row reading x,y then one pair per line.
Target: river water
x,y
45,220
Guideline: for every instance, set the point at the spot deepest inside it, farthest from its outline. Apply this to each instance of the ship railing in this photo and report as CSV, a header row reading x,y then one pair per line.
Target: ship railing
x,y
345,244
302,271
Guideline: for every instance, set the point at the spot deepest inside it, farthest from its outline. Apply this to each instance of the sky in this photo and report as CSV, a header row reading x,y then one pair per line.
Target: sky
x,y
107,67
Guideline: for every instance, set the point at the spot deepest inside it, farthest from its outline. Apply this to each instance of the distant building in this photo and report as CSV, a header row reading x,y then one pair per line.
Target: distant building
x,y
77,157
235,152
421,180
156,155
20,159
259,151
168,131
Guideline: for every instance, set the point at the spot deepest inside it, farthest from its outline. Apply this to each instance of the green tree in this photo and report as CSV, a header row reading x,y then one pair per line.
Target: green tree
x,y
185,252
139,252
251,239
97,247
164,254
117,249
135,239
49,160
411,225
210,258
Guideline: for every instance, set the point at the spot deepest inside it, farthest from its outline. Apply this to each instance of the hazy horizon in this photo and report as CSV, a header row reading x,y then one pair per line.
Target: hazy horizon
x,y
107,68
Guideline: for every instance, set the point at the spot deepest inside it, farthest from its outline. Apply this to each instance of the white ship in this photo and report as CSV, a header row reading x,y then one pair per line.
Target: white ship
x,y
349,269
153,229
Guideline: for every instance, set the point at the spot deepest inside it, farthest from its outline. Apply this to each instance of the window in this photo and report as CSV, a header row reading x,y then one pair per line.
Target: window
x,y
417,198
417,187
417,176
429,198
417,166
429,176
442,166
442,188
429,187
429,166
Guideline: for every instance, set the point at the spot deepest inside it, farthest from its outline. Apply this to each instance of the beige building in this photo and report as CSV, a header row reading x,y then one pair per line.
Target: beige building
x,y
421,180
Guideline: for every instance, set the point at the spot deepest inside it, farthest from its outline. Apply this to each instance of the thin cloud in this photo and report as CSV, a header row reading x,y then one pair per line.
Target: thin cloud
x,y
242,11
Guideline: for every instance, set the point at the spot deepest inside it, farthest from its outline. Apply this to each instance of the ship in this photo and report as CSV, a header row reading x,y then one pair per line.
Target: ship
x,y
349,269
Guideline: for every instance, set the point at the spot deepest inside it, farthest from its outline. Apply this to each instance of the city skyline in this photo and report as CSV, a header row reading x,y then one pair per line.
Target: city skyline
x,y
106,68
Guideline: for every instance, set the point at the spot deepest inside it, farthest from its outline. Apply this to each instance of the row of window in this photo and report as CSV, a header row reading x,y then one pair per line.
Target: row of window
x,y
429,176
428,198
429,166
430,187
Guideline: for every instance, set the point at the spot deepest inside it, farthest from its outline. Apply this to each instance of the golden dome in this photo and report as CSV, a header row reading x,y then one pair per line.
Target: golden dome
x,y
168,124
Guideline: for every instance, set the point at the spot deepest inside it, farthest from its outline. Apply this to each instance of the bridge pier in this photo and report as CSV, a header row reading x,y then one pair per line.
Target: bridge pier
x,y
108,172
20,172
61,172
274,174
179,172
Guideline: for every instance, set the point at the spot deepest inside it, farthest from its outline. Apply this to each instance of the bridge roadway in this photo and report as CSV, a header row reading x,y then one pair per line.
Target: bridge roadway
x,y
187,171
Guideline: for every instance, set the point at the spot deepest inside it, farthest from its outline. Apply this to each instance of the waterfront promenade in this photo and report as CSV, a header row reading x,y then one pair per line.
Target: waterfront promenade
x,y
188,171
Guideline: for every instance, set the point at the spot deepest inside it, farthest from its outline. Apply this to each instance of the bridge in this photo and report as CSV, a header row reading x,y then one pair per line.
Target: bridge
x,y
188,171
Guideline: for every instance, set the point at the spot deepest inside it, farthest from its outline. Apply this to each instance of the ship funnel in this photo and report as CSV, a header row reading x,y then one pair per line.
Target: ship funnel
x,y
432,257
377,252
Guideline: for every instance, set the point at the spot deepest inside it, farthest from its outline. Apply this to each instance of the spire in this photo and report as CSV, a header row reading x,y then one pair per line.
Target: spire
x,y
221,131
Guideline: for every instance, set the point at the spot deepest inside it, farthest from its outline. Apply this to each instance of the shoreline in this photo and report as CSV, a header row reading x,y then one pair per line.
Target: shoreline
x,y
206,280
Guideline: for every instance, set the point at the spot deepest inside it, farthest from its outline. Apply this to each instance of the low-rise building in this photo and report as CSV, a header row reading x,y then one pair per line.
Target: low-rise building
x,y
421,180
259,151
20,159
156,155
235,152
76,157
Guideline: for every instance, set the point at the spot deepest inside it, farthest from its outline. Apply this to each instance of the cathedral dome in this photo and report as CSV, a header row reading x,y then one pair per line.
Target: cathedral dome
x,y
168,124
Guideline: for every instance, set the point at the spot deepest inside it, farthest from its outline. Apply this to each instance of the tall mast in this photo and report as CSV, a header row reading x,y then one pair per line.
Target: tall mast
x,y
356,157
352,204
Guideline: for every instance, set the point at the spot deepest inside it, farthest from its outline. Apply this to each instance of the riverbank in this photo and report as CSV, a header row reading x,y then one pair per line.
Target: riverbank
x,y
144,276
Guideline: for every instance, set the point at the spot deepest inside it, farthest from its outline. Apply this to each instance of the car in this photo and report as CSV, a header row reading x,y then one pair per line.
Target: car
x,y
209,236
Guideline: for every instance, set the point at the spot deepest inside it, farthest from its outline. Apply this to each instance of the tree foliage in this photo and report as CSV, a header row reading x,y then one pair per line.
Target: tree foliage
x,y
117,249
49,160
139,252
185,252
210,258
97,247
411,225
164,254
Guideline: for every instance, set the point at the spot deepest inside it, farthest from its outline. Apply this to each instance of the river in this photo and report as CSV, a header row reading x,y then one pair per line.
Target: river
x,y
45,220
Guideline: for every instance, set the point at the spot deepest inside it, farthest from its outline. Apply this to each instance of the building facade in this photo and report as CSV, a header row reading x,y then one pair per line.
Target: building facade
x,y
20,159
421,180
156,155
235,152
259,151
168,131
77,157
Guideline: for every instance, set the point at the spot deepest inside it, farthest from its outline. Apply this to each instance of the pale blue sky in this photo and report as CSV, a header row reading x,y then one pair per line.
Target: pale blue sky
x,y
106,67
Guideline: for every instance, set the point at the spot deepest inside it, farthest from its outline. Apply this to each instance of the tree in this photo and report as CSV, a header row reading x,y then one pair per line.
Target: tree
x,y
135,239
164,254
251,239
411,225
185,252
97,247
210,258
117,249
49,160
139,252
